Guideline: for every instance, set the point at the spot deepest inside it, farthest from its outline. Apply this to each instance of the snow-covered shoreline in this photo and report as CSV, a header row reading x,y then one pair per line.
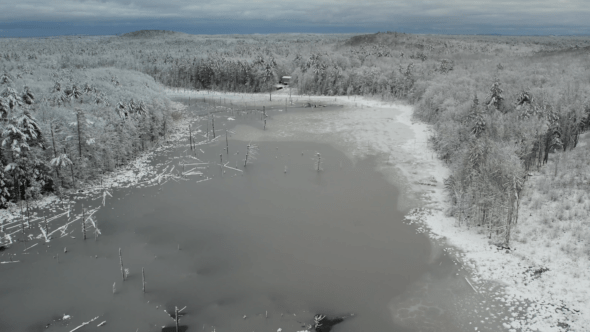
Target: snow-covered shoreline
x,y
554,300
557,300
136,171
538,299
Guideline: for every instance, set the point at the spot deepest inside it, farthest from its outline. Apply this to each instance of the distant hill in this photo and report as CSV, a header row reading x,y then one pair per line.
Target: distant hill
x,y
385,38
362,39
151,34
569,50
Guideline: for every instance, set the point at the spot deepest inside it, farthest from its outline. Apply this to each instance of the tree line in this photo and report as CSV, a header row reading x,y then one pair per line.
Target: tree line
x,y
71,133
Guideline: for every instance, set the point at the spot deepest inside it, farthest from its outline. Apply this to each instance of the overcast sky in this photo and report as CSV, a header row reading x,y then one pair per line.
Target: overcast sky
x,y
47,17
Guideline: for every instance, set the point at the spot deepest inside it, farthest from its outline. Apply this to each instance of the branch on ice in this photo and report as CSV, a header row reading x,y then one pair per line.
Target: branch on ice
x,y
85,323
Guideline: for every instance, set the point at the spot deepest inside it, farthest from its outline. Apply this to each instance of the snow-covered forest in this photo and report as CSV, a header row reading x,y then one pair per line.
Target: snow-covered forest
x,y
73,108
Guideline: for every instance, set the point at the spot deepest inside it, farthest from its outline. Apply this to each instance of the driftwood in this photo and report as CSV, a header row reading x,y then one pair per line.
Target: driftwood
x,y
85,323
325,324
475,290
176,316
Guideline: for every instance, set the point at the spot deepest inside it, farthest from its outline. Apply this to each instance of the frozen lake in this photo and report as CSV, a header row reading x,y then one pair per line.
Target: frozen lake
x,y
256,250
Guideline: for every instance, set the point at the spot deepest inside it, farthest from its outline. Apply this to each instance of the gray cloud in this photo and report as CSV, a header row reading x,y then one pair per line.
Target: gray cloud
x,y
434,14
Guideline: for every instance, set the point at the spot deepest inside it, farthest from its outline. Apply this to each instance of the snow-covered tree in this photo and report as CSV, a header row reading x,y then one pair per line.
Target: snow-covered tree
x,y
28,96
122,110
477,118
4,193
5,78
11,97
4,109
62,161
496,98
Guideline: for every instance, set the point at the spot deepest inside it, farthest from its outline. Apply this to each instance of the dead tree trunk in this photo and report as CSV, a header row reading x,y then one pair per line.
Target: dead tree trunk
x,y
121,263
83,223
226,144
247,153
213,125
190,132
78,115
55,151
176,317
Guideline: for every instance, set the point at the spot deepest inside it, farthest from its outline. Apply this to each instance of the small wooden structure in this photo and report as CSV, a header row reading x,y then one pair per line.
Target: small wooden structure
x,y
285,80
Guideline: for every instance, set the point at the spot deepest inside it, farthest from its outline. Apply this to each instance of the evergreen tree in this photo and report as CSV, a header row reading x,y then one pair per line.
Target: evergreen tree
x,y
20,134
4,109
477,118
5,78
122,110
11,98
28,96
496,99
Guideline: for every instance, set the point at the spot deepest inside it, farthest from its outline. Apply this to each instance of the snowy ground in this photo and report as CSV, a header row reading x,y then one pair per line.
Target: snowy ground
x,y
539,300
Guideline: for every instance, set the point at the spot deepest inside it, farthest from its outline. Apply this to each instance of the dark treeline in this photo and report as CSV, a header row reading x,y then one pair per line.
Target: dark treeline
x,y
499,105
